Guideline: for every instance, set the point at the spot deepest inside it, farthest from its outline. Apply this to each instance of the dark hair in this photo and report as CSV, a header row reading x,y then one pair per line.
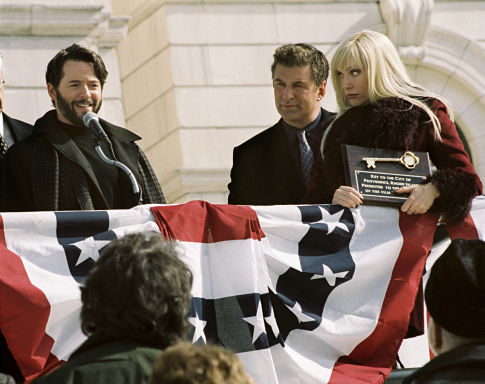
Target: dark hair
x,y
299,55
75,52
140,289
186,363
455,291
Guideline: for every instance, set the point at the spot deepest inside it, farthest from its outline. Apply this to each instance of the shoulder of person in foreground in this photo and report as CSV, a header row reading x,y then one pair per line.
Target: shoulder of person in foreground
x,y
117,362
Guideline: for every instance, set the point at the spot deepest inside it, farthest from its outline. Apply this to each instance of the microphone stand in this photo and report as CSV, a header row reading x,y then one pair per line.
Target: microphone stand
x,y
131,176
91,121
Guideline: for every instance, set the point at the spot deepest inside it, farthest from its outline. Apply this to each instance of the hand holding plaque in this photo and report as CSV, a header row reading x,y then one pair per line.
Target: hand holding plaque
x,y
377,173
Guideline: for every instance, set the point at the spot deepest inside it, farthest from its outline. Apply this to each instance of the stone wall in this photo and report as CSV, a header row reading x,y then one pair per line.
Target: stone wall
x,y
32,32
196,80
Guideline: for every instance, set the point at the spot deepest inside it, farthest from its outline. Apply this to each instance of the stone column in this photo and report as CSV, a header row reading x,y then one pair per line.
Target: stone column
x,y
408,22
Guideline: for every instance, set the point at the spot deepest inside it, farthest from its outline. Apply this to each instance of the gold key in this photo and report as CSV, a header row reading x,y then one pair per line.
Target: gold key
x,y
409,160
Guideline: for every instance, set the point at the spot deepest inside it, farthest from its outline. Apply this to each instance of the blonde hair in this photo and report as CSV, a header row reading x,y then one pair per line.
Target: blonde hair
x,y
375,54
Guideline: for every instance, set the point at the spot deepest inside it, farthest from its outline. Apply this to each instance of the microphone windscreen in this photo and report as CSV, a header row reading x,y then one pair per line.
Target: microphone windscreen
x,y
88,117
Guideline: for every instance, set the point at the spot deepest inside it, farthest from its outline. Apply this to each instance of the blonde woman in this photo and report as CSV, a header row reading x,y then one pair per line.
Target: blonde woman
x,y
380,107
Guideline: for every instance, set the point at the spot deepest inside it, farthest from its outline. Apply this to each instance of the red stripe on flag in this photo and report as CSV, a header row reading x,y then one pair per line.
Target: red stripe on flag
x,y
371,361
24,311
202,222
465,230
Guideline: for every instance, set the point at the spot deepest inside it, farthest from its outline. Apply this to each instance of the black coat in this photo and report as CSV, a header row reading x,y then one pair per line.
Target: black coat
x,y
393,123
121,361
465,364
48,172
20,130
264,171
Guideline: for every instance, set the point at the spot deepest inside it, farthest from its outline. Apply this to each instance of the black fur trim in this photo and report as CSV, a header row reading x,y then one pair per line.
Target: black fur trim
x,y
391,123
457,189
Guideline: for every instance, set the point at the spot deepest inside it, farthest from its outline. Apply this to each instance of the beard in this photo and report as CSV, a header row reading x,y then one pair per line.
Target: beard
x,y
69,111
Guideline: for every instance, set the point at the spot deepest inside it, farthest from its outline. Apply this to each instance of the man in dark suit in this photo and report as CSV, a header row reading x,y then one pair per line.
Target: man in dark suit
x,y
11,130
57,168
274,166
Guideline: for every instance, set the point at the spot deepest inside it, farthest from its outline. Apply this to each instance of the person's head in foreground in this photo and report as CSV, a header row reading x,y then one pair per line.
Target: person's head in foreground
x,y
455,296
186,363
138,289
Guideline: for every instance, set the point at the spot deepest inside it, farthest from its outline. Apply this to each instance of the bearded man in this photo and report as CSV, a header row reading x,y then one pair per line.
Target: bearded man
x,y
57,168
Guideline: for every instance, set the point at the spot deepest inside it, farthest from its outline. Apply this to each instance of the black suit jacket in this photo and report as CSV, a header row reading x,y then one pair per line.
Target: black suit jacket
x,y
20,130
264,171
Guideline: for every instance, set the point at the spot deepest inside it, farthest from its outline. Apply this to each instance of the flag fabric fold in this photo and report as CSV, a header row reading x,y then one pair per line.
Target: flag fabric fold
x,y
307,294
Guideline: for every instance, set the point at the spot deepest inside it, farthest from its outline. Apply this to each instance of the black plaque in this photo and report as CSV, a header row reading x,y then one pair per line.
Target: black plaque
x,y
377,179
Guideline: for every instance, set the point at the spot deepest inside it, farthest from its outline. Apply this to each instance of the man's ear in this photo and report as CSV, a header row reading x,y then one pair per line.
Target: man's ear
x,y
52,92
321,90
435,337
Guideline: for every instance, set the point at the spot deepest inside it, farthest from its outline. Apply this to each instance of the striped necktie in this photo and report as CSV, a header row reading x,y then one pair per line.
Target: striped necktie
x,y
3,147
306,157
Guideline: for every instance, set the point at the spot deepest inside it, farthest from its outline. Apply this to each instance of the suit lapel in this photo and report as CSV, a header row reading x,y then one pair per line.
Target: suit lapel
x,y
19,129
280,161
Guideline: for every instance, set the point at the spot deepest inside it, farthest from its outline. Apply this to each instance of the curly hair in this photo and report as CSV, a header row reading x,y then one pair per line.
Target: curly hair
x,y
299,55
186,363
75,52
138,288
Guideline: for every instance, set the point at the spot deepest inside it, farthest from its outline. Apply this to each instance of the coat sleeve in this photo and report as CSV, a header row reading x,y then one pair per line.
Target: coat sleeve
x,y
151,190
239,179
455,177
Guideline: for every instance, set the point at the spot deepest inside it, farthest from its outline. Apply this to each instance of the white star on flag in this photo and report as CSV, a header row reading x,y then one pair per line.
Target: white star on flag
x,y
89,249
298,311
332,221
330,275
199,325
271,321
258,323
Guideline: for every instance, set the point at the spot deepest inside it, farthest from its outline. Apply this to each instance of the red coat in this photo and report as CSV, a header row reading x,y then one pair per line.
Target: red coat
x,y
394,123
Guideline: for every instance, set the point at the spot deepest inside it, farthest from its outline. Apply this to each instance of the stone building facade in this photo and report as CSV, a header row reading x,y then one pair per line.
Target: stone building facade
x,y
192,77
196,80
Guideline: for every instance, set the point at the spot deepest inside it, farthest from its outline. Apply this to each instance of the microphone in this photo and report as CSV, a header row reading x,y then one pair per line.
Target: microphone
x,y
91,120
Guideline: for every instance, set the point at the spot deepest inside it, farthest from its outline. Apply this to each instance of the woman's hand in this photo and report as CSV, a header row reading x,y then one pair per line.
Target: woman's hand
x,y
347,197
421,198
